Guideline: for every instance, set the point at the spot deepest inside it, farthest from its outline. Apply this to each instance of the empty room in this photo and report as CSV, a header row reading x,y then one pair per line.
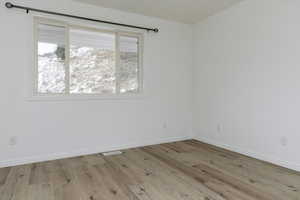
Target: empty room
x,y
150,100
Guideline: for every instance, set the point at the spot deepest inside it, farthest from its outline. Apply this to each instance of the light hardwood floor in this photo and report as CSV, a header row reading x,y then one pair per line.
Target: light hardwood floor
x,y
187,170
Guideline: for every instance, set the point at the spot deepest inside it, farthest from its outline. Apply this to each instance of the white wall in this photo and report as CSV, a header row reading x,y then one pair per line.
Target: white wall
x,y
48,130
245,91
247,80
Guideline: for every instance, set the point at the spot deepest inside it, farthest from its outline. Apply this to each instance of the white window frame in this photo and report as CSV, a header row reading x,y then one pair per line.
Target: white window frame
x,y
35,96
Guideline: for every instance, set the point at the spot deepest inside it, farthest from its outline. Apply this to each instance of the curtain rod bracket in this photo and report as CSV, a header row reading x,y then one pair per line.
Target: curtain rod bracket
x,y
28,9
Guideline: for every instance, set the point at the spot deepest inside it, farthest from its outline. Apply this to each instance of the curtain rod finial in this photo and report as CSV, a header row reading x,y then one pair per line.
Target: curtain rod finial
x,y
9,5
156,30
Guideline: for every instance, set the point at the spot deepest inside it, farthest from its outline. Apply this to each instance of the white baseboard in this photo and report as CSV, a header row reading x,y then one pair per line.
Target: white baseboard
x,y
251,153
88,151
81,152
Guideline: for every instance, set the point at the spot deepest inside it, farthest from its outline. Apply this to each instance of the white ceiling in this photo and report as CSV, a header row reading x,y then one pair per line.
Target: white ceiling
x,y
186,11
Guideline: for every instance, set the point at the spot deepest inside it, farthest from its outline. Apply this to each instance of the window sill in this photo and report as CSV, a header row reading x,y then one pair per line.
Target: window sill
x,y
86,97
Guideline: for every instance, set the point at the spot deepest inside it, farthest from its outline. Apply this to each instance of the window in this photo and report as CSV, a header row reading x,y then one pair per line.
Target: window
x,y
51,59
73,60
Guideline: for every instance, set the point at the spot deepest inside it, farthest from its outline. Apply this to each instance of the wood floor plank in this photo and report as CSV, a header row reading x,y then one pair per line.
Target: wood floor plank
x,y
183,185
146,178
233,189
143,189
239,170
285,179
119,178
140,192
181,177
3,175
38,174
184,170
16,183
166,181
110,183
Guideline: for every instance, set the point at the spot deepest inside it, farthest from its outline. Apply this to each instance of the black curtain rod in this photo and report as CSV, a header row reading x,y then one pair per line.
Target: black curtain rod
x,y
10,5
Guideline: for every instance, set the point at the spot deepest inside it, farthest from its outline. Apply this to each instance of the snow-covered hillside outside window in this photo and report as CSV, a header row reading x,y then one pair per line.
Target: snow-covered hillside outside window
x,y
73,60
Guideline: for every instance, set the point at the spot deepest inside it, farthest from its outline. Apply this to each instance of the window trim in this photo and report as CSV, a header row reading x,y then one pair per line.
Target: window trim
x,y
35,96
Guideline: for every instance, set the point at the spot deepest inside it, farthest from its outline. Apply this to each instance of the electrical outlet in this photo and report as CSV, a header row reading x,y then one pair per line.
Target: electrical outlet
x,y
165,125
219,128
284,141
13,141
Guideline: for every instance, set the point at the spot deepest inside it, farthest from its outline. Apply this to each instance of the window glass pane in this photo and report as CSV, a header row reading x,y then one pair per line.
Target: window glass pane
x,y
92,62
51,59
129,60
